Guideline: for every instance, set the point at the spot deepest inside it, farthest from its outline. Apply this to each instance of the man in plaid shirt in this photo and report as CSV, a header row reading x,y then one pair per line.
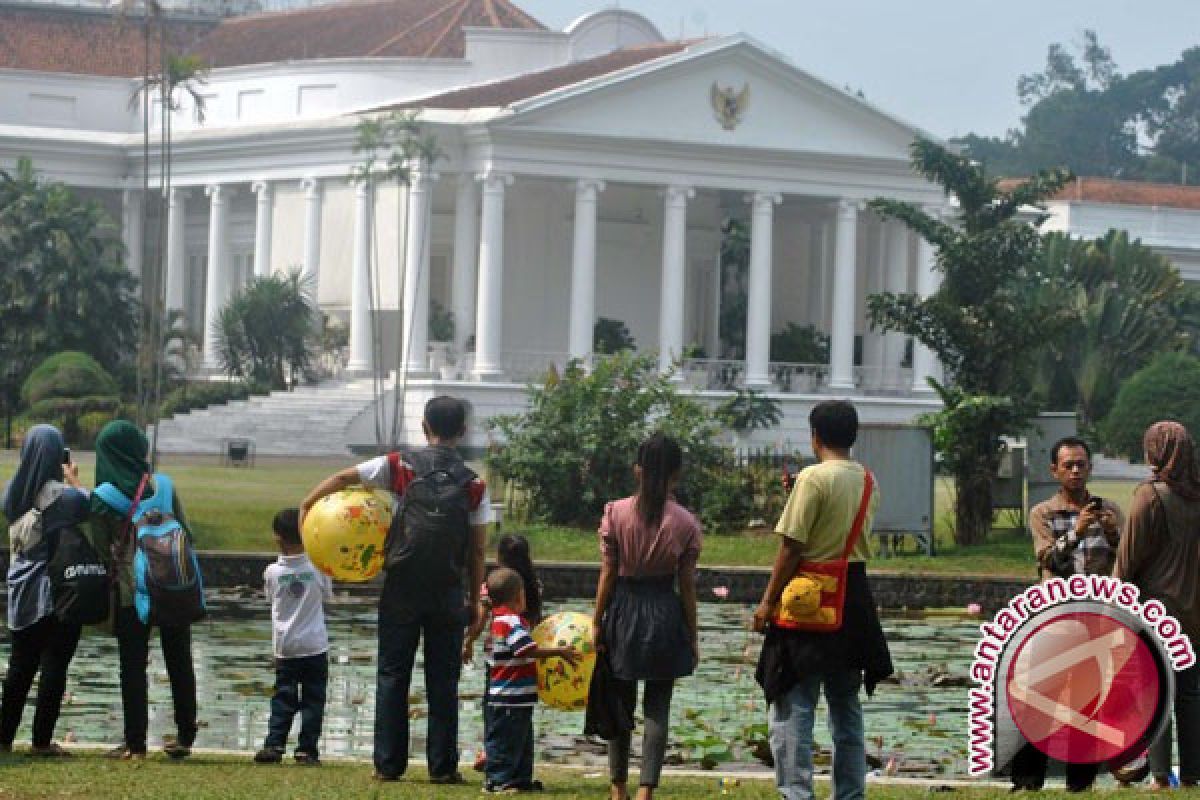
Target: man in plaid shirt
x,y
1074,533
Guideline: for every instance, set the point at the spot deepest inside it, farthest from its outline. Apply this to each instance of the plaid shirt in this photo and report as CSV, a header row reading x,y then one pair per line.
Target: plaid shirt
x,y
1093,553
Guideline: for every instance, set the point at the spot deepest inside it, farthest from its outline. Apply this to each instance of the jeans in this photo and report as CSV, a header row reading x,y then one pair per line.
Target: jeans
x,y
1029,771
791,735
508,741
1187,721
48,646
656,709
133,646
299,687
443,632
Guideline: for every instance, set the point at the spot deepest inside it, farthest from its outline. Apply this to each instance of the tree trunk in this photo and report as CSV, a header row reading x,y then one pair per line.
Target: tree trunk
x,y
973,505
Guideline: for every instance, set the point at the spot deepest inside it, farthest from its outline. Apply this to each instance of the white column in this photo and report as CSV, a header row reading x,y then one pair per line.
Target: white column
x,y
925,363
671,301
466,254
583,269
815,301
414,320
873,356
176,248
895,280
310,268
217,291
133,231
758,291
489,327
841,346
262,228
360,289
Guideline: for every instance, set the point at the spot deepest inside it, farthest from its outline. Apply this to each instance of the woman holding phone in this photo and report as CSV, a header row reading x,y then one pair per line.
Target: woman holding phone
x,y
45,484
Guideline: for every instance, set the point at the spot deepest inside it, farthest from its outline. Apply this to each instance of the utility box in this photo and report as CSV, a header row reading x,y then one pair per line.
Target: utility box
x,y
1008,489
1045,430
901,456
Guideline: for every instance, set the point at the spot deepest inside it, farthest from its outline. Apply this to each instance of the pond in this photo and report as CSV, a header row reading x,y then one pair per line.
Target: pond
x,y
917,720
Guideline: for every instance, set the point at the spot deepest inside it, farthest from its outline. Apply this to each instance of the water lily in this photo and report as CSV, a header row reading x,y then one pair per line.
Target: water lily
x,y
721,592
974,609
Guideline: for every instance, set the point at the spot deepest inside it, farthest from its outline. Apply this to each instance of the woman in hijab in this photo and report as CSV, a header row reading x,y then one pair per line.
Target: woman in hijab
x,y
1160,553
39,639
121,461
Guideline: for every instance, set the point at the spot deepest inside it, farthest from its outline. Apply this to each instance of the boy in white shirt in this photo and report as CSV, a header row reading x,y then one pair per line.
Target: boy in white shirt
x,y
296,590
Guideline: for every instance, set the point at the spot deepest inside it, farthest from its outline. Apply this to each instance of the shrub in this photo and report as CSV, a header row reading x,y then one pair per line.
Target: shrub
x,y
69,374
574,449
611,336
202,395
1164,389
749,410
800,344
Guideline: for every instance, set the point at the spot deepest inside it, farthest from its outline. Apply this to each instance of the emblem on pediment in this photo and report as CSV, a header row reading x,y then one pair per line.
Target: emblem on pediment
x,y
729,105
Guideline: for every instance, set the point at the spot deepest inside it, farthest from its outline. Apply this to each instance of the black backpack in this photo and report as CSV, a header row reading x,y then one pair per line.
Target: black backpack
x,y
430,532
79,579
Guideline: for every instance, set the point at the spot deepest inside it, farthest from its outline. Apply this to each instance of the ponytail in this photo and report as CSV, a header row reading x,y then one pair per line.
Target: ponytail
x,y
660,460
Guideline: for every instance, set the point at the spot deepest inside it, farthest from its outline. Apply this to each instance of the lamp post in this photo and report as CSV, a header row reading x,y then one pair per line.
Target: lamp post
x,y
11,373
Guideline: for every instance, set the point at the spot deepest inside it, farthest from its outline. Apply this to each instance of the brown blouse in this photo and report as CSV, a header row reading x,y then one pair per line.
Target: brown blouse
x,y
1160,552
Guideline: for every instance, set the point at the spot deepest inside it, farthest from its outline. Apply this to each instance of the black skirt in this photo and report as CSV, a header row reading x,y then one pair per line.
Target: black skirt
x,y
645,631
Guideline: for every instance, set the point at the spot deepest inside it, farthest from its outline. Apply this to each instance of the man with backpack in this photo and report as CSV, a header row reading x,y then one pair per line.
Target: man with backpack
x,y
137,520
434,568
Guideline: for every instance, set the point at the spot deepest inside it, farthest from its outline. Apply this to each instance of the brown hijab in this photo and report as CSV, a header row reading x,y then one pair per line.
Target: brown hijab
x,y
1172,455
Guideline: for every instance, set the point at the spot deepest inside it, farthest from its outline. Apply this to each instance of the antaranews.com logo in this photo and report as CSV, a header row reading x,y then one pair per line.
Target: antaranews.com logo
x,y
1080,668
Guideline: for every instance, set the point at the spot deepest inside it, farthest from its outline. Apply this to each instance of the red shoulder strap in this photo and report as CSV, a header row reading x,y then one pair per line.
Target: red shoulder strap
x,y
861,516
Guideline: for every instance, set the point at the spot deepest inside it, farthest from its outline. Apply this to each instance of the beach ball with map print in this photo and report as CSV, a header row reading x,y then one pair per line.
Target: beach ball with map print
x,y
344,534
560,685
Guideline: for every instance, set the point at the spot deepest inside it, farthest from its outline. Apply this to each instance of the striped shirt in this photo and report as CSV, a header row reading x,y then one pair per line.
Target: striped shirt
x,y
512,668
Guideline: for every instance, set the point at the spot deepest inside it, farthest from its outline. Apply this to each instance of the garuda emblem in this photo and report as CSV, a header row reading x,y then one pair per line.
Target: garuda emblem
x,y
728,105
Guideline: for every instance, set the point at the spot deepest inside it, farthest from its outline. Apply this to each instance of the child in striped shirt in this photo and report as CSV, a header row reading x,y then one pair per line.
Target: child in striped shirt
x,y
512,692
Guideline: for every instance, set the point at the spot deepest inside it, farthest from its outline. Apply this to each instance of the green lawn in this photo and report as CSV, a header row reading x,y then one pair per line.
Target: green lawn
x,y
231,509
218,777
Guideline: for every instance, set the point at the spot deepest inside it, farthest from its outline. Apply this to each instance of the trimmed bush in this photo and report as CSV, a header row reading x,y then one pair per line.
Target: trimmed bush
x,y
203,395
74,406
1165,389
68,374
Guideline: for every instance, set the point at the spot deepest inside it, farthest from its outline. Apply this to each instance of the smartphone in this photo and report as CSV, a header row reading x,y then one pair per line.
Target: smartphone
x,y
1096,503
66,455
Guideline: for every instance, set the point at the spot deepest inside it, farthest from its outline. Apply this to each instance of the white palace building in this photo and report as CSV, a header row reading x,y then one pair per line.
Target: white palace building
x,y
584,174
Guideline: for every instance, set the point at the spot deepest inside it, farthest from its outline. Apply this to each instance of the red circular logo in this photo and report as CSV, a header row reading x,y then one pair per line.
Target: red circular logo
x,y
1083,688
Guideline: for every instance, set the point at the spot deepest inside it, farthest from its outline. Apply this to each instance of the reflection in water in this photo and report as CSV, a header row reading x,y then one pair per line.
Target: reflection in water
x,y
718,715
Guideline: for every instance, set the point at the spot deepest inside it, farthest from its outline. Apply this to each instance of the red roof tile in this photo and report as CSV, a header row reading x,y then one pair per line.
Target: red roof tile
x,y
506,92
385,28
84,42
1117,192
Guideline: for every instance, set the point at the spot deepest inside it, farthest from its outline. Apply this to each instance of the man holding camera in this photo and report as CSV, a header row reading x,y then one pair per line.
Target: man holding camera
x,y
1074,533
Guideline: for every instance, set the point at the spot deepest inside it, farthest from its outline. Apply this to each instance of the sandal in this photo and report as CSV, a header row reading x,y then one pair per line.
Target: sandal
x,y
51,750
123,753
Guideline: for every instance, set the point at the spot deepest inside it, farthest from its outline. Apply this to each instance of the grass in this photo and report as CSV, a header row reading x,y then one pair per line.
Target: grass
x,y
231,509
206,777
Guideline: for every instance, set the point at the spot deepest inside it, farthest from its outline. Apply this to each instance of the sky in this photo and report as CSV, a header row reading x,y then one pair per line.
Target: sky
x,y
947,66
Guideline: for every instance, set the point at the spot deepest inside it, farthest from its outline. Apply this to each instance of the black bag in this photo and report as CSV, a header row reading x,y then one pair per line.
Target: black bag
x,y
610,703
79,579
430,533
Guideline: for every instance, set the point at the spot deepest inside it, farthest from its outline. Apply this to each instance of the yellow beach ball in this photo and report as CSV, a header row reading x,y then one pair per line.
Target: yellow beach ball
x,y
344,534
560,685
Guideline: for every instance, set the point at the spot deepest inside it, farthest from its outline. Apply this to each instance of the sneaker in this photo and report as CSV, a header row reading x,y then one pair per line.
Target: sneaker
x,y
268,755
491,788
51,750
123,753
379,776
532,786
176,751
453,777
306,759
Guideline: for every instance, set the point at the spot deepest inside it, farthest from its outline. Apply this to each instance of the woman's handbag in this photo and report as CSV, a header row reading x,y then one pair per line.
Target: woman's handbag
x,y
815,598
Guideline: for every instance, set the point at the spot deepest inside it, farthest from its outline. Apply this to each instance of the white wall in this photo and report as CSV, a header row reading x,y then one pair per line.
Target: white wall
x,y
51,100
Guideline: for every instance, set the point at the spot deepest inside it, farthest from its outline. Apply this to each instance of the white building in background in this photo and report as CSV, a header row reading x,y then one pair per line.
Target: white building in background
x,y
585,173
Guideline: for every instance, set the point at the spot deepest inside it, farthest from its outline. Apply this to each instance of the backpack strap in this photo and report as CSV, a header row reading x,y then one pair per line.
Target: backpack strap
x,y
113,498
48,495
163,499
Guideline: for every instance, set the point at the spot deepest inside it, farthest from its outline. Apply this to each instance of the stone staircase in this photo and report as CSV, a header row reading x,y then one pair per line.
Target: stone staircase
x,y
307,421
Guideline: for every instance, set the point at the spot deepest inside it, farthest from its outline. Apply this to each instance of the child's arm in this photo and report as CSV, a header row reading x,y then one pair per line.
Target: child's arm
x,y
568,654
474,631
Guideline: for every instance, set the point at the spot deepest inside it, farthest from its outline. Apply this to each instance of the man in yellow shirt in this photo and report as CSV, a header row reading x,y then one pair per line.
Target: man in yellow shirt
x,y
794,664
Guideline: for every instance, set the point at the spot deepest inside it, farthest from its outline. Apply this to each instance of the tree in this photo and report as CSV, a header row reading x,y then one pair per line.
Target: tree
x,y
982,323
268,330
735,268
1164,389
63,285
1127,304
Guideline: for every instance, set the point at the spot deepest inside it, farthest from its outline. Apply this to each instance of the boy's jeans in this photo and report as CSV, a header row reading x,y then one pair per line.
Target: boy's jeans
x,y
300,685
791,729
508,740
